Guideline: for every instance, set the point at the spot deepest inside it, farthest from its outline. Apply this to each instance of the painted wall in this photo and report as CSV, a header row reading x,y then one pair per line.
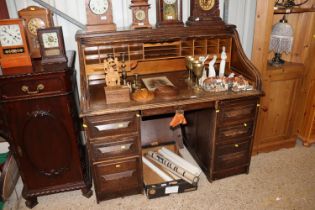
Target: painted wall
x,y
238,12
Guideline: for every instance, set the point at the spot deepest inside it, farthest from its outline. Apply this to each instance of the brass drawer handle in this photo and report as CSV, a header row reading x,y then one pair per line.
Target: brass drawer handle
x,y
245,124
39,88
236,145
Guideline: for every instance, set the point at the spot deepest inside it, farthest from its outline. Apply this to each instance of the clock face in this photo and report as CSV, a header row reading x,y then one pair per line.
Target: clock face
x,y
206,4
169,12
10,35
169,1
98,7
50,40
34,24
140,15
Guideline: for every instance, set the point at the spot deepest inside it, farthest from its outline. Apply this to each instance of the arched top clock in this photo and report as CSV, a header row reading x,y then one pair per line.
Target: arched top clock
x,y
203,12
99,15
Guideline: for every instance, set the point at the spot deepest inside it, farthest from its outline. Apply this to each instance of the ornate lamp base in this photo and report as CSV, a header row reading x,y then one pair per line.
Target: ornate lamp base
x,y
277,61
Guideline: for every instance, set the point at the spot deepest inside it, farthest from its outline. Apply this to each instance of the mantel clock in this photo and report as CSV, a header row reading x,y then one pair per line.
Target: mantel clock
x,y
35,18
169,12
203,12
52,45
99,15
140,10
13,45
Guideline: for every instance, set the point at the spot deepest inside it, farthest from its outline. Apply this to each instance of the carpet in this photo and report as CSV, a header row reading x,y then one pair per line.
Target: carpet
x,y
283,179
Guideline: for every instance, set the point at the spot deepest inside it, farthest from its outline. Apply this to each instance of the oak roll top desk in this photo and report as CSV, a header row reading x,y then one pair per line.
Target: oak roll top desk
x,y
220,128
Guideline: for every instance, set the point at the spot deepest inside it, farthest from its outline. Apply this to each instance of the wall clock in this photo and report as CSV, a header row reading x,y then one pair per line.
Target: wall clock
x,y
99,15
169,12
140,18
35,18
13,45
203,12
52,45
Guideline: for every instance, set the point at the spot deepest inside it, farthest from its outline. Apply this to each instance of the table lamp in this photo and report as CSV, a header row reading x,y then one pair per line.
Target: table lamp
x,y
281,40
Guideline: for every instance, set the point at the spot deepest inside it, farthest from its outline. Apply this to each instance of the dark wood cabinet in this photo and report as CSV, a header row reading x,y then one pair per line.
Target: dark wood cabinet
x,y
41,119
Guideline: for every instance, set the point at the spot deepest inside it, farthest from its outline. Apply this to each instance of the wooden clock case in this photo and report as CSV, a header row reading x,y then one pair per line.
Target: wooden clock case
x,y
30,13
161,22
199,16
54,54
135,6
103,22
11,59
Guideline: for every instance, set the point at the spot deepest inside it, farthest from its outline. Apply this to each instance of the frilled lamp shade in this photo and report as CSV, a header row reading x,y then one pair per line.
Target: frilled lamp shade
x,y
281,41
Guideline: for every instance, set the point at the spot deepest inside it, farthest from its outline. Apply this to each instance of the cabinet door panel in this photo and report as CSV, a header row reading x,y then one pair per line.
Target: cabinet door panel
x,y
277,111
43,136
49,156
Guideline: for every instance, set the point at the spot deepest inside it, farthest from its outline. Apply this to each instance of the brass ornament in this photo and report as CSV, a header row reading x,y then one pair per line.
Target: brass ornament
x,y
206,5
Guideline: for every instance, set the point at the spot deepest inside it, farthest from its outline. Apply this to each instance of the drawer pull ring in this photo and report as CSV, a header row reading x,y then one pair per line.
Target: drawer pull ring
x,y
236,145
245,124
39,88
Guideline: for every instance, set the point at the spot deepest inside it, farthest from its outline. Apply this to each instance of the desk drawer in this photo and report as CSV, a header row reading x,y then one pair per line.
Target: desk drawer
x,y
172,109
112,124
237,111
27,86
117,177
231,160
114,147
229,172
239,130
232,148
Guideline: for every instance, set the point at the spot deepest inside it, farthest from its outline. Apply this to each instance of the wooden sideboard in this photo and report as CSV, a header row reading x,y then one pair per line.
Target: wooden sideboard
x,y
41,124
220,125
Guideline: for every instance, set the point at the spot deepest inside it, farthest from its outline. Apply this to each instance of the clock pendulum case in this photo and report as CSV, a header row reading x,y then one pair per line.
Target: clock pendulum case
x,y
204,12
35,18
169,12
99,15
13,45
140,18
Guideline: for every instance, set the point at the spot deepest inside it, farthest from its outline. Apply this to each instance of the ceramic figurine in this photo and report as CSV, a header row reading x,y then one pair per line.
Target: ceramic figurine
x,y
222,63
204,73
211,67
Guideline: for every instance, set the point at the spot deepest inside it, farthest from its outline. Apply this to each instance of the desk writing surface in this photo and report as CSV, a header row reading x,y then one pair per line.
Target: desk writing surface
x,y
187,96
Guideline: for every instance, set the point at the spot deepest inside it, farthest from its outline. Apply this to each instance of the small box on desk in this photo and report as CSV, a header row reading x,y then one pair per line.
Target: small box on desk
x,y
117,94
155,186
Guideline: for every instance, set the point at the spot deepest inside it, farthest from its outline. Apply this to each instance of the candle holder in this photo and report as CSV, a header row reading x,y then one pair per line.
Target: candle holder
x,y
189,64
198,70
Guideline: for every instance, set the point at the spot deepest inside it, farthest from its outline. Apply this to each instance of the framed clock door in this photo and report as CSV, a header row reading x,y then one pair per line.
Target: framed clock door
x,y
45,160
